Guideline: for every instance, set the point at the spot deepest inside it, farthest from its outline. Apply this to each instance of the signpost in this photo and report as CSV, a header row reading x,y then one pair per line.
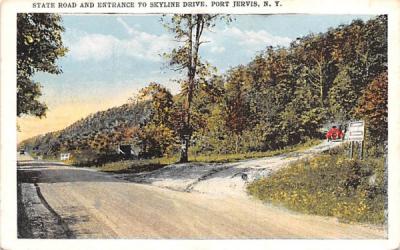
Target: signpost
x,y
356,131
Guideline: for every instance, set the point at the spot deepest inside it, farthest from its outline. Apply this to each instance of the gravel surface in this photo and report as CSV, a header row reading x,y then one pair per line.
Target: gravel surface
x,y
227,179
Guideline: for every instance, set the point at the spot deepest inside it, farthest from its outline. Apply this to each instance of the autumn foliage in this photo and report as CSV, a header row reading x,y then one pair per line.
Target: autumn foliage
x,y
373,107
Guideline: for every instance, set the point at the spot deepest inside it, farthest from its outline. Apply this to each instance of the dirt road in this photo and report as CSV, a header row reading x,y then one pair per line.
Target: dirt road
x,y
227,179
67,202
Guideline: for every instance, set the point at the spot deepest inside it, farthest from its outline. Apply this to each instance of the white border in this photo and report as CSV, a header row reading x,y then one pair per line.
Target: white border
x,y
8,236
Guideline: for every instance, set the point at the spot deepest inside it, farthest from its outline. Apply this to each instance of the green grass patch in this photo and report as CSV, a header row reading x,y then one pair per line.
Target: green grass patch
x,y
136,166
224,158
328,185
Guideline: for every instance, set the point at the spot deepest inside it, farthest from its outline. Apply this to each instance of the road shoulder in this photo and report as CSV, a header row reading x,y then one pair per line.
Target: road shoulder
x,y
36,219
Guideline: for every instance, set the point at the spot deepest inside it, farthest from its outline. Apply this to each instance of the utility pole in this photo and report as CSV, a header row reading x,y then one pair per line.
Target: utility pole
x,y
351,150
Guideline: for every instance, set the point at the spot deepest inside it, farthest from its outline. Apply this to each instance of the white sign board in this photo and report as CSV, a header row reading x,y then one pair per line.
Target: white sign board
x,y
356,131
64,156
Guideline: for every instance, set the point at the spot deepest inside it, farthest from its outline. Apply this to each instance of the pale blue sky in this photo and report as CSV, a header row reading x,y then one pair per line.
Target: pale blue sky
x,y
112,56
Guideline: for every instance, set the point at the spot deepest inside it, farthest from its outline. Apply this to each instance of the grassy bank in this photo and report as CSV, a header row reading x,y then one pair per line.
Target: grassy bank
x,y
215,158
328,185
129,166
151,164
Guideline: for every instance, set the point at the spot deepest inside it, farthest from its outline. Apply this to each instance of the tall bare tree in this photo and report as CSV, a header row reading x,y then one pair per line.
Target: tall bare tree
x,y
188,30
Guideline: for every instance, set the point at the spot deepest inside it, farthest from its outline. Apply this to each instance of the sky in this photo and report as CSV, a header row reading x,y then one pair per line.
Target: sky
x,y
111,57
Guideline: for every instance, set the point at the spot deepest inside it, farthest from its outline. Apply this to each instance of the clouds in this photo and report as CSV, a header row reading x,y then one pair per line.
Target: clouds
x,y
233,39
217,49
93,47
225,43
230,46
251,38
138,45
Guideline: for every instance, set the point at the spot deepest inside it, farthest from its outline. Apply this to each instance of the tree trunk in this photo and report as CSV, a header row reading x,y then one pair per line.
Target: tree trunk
x,y
186,136
321,82
184,151
196,22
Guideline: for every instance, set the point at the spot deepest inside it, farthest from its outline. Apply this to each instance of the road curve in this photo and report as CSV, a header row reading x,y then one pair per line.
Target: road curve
x,y
90,204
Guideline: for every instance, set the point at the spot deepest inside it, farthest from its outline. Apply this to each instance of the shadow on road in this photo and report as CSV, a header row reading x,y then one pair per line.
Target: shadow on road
x,y
138,169
51,175
38,164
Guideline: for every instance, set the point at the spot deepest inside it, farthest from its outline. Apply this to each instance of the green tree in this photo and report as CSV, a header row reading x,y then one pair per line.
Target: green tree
x,y
362,48
39,45
235,107
156,134
161,103
317,64
155,140
342,97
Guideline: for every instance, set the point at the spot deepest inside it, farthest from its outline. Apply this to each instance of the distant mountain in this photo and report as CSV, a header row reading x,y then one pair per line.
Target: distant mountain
x,y
97,134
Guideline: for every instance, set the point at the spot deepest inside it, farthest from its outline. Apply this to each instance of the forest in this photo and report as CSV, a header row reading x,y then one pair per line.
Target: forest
x,y
284,96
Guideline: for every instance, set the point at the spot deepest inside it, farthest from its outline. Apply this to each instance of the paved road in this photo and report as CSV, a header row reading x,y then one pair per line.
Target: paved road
x,y
58,201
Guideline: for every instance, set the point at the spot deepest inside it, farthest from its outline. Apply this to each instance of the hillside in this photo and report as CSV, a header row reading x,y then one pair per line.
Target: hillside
x,y
98,133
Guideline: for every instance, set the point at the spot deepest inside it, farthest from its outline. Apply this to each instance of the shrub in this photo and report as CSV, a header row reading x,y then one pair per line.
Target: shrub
x,y
350,190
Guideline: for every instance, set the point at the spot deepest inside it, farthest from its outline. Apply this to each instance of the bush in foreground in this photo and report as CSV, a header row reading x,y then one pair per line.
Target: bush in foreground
x,y
327,185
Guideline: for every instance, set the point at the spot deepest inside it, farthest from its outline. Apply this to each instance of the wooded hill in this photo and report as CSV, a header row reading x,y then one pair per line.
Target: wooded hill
x,y
282,97
96,134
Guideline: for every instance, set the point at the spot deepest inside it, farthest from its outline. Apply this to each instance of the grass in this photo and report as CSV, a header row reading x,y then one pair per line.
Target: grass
x,y
328,185
151,164
130,166
224,158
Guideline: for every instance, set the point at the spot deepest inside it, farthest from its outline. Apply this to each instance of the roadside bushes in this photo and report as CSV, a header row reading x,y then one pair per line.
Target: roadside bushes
x,y
350,190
